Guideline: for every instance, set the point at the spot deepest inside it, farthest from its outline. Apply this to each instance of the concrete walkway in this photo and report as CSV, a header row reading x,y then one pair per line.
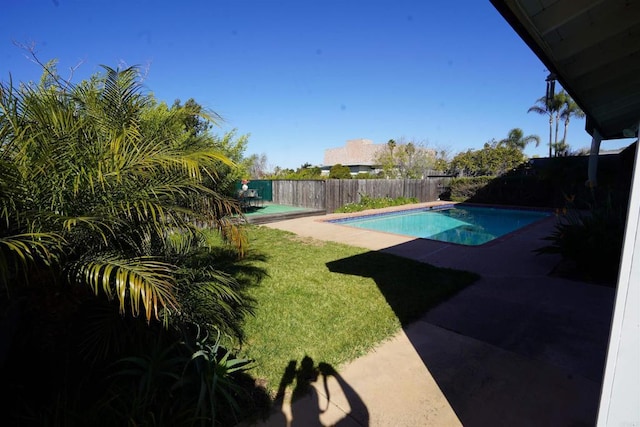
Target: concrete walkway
x,y
516,348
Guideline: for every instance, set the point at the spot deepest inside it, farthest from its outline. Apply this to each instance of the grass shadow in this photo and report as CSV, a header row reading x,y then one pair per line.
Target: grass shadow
x,y
410,287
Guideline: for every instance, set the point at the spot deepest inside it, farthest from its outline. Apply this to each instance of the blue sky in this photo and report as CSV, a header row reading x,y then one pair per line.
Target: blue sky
x,y
300,76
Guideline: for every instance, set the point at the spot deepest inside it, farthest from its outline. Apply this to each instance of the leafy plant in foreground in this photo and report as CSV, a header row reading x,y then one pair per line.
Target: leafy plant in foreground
x,y
591,240
97,179
186,382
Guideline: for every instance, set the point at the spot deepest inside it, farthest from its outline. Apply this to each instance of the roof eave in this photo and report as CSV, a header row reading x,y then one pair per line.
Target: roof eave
x,y
534,43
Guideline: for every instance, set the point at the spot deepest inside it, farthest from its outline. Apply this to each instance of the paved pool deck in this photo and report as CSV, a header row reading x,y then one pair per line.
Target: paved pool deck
x,y
516,348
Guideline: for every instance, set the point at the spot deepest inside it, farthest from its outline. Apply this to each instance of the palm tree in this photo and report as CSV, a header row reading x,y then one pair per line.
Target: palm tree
x,y
386,159
516,139
97,181
108,205
392,145
569,109
550,108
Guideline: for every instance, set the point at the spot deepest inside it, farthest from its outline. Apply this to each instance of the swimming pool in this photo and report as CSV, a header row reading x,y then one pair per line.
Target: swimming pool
x,y
461,224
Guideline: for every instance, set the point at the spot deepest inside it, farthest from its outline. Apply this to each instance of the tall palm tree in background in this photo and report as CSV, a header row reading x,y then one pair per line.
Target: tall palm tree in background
x,y
569,109
551,108
391,144
516,139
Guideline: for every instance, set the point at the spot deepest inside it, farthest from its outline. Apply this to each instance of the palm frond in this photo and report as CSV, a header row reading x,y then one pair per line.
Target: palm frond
x,y
19,252
99,226
213,297
538,110
145,282
33,246
179,243
120,96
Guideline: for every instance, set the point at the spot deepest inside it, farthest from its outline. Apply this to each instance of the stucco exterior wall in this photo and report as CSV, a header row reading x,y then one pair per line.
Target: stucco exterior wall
x,y
355,152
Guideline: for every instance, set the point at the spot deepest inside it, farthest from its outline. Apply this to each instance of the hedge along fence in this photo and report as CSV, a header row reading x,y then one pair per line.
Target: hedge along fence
x,y
331,194
466,187
548,182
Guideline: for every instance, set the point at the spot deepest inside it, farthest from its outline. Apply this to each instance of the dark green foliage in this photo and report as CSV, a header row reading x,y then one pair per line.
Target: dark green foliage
x,y
545,182
108,199
308,172
366,175
191,381
462,189
105,177
367,202
590,228
305,171
98,368
493,159
590,241
514,189
339,172
212,289
192,117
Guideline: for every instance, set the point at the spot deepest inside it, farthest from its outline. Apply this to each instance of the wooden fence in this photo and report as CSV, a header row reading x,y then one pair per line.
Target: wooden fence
x,y
331,194
303,193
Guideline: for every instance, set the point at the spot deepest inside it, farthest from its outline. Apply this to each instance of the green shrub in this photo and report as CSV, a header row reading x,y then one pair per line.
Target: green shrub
x,y
339,172
589,240
176,380
367,202
366,175
464,188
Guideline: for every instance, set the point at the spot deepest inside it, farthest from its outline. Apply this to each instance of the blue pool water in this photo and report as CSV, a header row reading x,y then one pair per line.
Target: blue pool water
x,y
465,225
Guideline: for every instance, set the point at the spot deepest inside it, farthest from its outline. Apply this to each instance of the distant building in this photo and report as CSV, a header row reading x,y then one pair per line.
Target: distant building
x,y
358,154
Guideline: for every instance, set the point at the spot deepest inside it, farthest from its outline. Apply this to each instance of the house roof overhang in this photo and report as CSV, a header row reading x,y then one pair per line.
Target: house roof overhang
x,y
593,49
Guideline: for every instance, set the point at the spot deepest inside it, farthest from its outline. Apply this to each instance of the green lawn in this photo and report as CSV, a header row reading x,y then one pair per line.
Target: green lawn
x,y
332,302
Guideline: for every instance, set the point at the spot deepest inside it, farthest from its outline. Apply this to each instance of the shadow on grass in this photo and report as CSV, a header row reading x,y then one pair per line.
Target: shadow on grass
x,y
410,287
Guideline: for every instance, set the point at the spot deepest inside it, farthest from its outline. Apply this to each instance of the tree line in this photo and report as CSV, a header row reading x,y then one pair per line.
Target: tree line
x,y
411,159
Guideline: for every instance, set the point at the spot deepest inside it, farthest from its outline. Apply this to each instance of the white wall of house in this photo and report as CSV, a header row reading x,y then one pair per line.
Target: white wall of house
x,y
620,396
